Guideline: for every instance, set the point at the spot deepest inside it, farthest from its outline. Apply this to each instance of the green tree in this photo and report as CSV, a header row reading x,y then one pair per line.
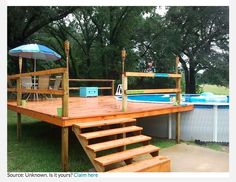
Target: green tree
x,y
25,21
198,33
97,35
217,73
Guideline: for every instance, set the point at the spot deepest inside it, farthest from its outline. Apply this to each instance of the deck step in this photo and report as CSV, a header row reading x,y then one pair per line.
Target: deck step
x,y
155,164
110,132
118,143
104,122
127,154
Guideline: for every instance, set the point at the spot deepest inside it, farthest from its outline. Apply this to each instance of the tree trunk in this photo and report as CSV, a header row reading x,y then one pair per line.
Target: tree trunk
x,y
190,80
186,77
88,63
189,76
192,84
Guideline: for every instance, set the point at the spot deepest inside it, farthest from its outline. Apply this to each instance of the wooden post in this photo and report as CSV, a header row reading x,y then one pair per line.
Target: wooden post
x,y
177,129
65,100
65,130
124,95
178,86
124,81
65,82
178,82
123,57
18,127
64,148
67,49
19,94
113,87
19,98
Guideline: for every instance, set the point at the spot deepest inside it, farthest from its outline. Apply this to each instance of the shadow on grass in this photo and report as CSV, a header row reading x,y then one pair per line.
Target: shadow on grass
x,y
40,147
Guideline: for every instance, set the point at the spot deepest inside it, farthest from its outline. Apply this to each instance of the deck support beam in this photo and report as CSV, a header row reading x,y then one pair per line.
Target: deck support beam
x,y
178,100
19,98
65,113
64,148
177,138
169,126
18,127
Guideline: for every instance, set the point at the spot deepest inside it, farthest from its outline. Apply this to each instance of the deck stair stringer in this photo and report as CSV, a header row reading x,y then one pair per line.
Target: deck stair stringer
x,y
105,143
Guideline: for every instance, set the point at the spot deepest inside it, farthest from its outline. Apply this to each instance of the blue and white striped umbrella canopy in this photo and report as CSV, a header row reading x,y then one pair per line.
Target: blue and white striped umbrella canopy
x,y
35,51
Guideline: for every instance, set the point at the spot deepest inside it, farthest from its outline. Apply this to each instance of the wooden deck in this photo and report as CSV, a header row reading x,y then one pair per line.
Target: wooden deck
x,y
92,109
89,110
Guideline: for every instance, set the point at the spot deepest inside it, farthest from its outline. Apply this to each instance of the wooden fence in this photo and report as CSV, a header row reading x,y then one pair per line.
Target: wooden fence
x,y
110,87
64,92
126,92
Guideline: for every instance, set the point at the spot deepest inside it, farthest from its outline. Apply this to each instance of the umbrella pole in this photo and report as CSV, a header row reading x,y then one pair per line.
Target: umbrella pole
x,y
34,77
20,64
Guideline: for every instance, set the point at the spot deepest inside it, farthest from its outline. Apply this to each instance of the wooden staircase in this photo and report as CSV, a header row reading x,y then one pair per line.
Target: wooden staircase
x,y
105,144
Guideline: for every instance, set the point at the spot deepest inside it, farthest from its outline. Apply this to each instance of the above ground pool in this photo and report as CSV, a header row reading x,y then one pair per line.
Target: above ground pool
x,y
209,121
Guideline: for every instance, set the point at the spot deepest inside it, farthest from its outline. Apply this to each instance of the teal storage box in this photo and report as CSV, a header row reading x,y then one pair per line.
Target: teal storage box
x,y
88,91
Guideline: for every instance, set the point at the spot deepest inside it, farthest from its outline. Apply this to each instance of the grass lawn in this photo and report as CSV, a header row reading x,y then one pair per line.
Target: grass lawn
x,y
39,149
218,90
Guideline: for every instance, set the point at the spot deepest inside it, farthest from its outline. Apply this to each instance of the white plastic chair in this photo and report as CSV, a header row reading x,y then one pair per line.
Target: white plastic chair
x,y
119,90
57,84
27,83
43,83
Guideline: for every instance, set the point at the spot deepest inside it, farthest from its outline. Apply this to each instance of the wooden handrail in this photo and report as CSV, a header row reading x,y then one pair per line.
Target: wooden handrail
x,y
95,80
54,71
100,88
90,80
152,91
126,92
41,91
139,74
11,89
38,73
86,80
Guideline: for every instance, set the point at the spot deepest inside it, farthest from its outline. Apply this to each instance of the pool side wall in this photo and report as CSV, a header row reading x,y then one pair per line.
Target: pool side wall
x,y
198,124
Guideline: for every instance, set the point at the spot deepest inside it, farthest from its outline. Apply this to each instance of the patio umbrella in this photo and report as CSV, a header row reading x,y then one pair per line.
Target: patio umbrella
x,y
34,51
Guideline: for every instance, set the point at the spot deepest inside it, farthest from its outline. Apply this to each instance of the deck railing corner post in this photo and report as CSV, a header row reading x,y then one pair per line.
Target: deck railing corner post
x,y
124,94
65,97
18,97
113,87
18,91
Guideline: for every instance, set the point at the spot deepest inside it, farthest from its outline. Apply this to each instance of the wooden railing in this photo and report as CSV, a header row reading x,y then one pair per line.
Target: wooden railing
x,y
64,92
126,92
111,83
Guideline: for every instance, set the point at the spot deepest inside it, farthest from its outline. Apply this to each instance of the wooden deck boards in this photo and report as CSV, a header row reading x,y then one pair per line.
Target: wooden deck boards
x,y
92,109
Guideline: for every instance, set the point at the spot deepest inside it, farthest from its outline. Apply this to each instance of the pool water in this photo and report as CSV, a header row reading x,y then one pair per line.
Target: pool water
x,y
186,98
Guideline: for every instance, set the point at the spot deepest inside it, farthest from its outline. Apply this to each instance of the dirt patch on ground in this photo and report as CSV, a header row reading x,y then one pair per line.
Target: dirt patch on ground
x,y
193,158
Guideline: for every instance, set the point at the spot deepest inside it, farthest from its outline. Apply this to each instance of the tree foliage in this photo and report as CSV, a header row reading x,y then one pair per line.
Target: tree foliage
x,y
25,21
198,35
